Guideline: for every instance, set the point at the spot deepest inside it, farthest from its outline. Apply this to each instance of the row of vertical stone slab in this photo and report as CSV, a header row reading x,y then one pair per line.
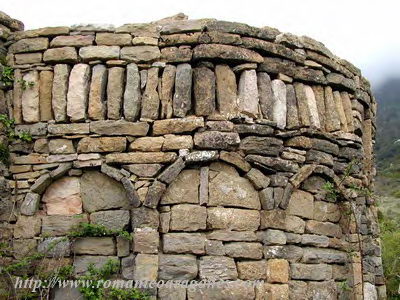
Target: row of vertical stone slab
x,y
99,93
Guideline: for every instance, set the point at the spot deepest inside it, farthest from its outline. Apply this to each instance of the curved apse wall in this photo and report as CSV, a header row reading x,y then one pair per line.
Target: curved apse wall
x,y
212,142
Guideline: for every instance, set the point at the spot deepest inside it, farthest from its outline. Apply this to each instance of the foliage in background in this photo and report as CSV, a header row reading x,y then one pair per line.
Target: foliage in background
x,y
390,237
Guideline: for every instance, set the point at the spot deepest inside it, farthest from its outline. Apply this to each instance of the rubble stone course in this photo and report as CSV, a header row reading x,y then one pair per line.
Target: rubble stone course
x,y
209,141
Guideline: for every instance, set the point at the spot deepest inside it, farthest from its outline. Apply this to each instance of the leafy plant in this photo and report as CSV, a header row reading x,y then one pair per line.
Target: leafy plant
x,y
87,229
390,236
98,292
9,130
336,192
344,286
25,84
9,127
7,76
4,154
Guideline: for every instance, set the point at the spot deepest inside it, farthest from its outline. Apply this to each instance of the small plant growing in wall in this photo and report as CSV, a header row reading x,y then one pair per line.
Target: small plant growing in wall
x,y
33,265
337,192
9,130
7,76
94,230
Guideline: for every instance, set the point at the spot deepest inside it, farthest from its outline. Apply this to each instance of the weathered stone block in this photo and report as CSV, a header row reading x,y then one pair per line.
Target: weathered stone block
x,y
111,219
182,101
113,39
228,188
140,54
244,250
226,90
317,272
226,52
179,220
145,240
321,255
63,197
216,140
60,55
177,267
276,291
193,243
30,97
103,144
61,225
252,270
150,97
150,144
277,271
112,194
142,217
97,93
179,191
73,41
89,53
248,93
217,268
119,127
94,246
27,227
301,204
324,228
177,125
232,219
30,204
78,92
141,157
29,45
204,91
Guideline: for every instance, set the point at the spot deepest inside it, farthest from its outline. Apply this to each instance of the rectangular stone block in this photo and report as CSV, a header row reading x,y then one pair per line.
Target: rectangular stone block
x,y
233,219
177,243
45,95
68,129
97,93
179,220
78,92
217,268
115,89
59,92
182,125
61,55
61,225
102,144
141,157
317,272
30,97
99,53
94,246
120,127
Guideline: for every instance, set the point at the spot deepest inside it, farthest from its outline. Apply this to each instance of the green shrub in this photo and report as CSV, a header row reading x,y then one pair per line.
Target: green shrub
x,y
390,237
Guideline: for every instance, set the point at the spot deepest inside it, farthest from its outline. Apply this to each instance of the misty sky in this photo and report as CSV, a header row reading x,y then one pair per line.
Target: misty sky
x,y
363,32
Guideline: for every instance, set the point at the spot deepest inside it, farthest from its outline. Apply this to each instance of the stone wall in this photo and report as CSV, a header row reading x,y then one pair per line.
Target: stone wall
x,y
211,141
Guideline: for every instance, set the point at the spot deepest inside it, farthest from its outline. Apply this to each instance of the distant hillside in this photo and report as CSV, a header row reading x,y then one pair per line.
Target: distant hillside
x,y
387,150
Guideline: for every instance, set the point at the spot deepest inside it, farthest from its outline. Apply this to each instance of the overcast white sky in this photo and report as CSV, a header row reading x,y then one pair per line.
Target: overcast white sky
x,y
365,32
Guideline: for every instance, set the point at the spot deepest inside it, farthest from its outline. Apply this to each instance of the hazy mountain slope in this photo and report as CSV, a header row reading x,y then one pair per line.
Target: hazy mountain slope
x,y
388,97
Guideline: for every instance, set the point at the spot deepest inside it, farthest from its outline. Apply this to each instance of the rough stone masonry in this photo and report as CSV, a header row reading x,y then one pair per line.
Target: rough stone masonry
x,y
210,141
